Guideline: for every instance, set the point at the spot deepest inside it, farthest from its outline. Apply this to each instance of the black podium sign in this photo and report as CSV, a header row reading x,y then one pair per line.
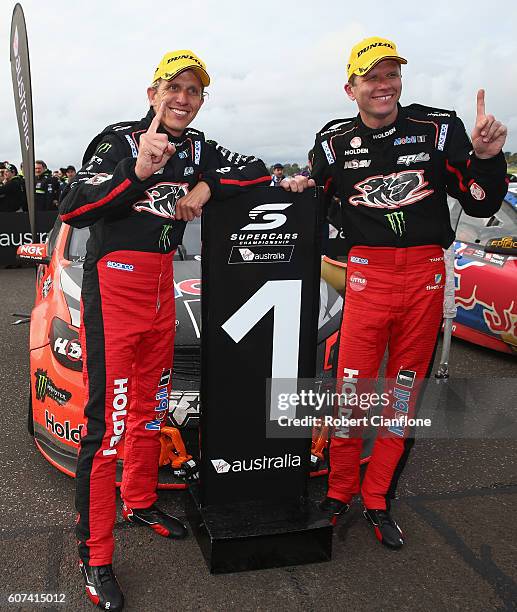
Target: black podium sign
x,y
15,230
260,278
260,300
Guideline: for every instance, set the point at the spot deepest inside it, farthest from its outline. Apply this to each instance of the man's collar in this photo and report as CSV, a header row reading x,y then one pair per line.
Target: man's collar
x,y
385,130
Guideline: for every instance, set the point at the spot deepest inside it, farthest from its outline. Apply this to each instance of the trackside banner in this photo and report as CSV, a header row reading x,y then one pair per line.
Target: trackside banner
x,y
21,76
260,277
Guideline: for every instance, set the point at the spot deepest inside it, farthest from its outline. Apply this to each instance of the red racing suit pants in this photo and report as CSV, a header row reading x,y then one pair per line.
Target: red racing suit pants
x,y
394,299
127,338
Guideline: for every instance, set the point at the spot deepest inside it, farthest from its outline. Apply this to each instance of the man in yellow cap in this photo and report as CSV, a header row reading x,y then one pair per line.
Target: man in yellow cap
x,y
392,168
141,181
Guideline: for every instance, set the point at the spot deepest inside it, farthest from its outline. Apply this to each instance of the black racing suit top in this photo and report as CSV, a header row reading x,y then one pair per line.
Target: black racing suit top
x,y
126,213
393,181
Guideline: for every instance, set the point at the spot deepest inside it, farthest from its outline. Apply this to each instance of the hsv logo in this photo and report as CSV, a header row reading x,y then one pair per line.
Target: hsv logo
x,y
392,191
267,219
161,199
221,466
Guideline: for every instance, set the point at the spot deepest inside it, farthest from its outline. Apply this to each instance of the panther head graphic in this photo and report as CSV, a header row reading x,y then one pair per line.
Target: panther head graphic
x,y
161,199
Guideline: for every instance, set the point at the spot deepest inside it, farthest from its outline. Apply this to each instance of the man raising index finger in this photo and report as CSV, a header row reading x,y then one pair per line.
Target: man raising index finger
x,y
135,177
391,167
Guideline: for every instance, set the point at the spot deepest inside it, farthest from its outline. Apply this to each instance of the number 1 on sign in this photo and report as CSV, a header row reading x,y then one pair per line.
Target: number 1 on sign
x,y
285,297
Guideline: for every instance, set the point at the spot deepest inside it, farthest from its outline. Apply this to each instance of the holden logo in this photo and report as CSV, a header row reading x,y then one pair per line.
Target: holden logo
x,y
267,219
355,142
221,466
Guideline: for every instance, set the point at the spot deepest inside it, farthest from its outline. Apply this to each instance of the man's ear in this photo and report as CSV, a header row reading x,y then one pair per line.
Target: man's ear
x,y
151,95
349,91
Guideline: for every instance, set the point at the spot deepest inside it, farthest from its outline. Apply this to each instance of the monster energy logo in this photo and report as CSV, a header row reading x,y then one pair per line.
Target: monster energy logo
x,y
164,241
103,148
397,222
46,388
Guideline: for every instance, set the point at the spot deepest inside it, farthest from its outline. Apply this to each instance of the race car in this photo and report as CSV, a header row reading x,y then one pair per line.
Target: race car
x,y
485,273
56,399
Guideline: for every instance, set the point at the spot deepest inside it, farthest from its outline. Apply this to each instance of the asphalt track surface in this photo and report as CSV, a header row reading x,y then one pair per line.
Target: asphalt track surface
x,y
457,504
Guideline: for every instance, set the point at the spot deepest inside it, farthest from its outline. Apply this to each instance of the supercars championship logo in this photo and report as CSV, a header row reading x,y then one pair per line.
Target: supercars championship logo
x,y
46,388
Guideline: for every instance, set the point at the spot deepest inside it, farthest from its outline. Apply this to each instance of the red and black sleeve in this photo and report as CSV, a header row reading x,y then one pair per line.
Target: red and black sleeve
x,y
228,173
478,184
105,185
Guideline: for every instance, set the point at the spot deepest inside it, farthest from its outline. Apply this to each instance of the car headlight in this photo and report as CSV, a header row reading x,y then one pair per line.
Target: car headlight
x,y
65,345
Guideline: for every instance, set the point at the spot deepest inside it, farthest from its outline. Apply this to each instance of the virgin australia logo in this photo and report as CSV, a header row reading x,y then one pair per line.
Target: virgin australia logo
x,y
221,466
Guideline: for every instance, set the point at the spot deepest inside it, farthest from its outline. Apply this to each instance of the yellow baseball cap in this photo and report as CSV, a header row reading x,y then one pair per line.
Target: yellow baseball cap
x,y
369,52
174,62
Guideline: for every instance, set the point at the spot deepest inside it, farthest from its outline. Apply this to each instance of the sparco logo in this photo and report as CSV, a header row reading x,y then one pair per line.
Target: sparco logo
x,y
161,199
221,466
118,414
117,265
392,191
267,219
21,92
45,387
397,222
62,430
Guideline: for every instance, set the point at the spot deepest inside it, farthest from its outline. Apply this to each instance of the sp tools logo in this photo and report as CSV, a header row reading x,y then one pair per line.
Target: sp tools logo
x,y
161,199
46,388
397,222
392,191
406,160
265,216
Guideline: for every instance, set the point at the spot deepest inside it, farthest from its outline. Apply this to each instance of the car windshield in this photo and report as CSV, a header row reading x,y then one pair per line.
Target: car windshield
x,y
191,241
77,244
479,231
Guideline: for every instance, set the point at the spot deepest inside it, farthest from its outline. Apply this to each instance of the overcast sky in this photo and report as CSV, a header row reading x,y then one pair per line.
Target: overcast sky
x,y
277,68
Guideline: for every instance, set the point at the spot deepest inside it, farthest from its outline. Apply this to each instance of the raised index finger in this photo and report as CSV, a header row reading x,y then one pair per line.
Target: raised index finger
x,y
155,123
481,103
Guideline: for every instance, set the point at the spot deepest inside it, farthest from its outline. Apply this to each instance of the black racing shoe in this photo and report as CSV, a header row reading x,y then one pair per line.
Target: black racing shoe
x,y
164,524
102,586
333,508
386,529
